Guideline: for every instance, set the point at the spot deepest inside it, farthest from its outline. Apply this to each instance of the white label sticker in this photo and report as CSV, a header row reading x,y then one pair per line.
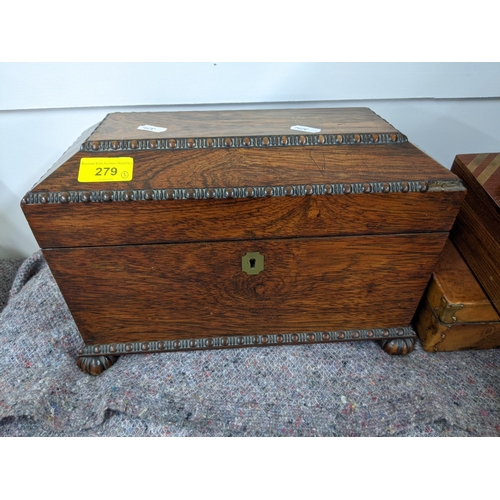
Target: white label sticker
x,y
301,128
151,128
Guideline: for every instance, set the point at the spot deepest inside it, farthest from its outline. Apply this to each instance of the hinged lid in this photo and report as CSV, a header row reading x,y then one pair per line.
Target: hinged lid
x,y
240,174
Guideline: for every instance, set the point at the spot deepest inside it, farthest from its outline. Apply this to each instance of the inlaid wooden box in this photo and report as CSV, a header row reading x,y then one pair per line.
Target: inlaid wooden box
x,y
455,313
476,233
242,228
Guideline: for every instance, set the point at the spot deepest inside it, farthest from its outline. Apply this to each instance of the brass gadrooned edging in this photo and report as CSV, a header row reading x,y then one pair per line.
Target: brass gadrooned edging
x,y
243,142
118,349
128,195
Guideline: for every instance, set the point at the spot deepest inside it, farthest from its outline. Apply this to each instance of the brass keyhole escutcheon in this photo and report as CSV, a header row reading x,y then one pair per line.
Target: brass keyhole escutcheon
x,y
252,263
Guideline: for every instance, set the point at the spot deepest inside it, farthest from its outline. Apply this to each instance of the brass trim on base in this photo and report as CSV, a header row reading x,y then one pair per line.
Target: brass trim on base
x,y
119,349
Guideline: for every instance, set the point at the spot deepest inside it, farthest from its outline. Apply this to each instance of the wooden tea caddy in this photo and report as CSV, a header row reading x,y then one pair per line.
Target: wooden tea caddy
x,y
242,228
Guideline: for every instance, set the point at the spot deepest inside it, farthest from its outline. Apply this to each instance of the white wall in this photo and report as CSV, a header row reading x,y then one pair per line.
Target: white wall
x,y
444,108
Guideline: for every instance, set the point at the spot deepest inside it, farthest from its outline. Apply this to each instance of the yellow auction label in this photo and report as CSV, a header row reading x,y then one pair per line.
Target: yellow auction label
x,y
106,169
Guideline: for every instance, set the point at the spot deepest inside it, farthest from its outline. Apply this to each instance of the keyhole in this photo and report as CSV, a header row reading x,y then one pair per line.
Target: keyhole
x,y
252,263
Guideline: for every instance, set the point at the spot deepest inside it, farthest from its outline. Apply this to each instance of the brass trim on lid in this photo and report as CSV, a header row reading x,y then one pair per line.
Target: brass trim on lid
x,y
106,196
266,141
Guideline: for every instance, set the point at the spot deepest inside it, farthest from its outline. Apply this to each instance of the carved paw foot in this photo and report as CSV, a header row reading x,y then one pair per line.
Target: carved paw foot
x,y
95,365
399,347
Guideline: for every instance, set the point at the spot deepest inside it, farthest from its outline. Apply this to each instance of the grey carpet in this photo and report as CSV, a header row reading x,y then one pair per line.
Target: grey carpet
x,y
8,270
348,389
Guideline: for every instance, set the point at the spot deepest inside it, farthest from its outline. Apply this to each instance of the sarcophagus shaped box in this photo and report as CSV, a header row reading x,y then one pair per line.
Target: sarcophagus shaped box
x,y
199,230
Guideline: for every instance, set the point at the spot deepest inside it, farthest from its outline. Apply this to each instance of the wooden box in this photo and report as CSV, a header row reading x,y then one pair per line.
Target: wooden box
x,y
455,313
476,233
242,228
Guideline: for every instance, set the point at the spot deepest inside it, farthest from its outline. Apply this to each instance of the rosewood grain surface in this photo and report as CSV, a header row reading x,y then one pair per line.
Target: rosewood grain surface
x,y
120,223
258,167
150,292
121,126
